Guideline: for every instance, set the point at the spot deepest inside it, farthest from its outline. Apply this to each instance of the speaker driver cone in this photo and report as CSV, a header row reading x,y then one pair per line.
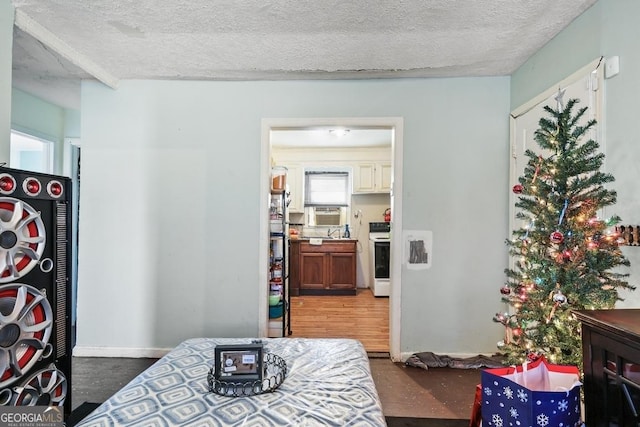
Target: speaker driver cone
x,y
7,184
26,323
47,387
22,238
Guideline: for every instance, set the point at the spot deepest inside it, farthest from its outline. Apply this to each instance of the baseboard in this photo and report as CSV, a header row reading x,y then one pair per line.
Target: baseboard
x,y
129,352
156,353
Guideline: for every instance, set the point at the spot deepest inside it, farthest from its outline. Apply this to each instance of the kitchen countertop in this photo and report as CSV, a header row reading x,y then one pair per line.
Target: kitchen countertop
x,y
332,239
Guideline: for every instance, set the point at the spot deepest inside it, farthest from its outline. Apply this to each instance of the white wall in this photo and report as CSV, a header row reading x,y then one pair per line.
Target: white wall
x,y
609,28
169,219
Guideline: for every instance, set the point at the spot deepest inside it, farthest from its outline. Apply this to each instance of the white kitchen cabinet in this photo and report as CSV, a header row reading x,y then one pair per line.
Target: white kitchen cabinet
x,y
372,177
295,179
383,176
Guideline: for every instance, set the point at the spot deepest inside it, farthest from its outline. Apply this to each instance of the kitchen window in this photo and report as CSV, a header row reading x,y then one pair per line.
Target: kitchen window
x,y
326,197
326,189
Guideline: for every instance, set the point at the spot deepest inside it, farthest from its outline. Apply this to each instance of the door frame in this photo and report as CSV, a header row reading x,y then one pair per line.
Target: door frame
x,y
395,124
71,168
598,87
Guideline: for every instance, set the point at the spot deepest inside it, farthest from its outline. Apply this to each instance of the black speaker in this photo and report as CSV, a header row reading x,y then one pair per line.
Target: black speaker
x,y
35,289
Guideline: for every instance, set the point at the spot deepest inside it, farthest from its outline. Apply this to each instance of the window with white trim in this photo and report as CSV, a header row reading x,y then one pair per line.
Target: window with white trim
x,y
30,153
326,189
326,197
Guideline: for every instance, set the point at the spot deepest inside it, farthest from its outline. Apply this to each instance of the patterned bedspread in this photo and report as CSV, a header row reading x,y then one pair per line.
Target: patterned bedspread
x,y
328,383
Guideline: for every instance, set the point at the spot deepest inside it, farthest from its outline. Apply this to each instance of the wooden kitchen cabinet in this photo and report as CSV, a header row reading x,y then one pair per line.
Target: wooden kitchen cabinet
x,y
611,363
326,269
313,270
342,271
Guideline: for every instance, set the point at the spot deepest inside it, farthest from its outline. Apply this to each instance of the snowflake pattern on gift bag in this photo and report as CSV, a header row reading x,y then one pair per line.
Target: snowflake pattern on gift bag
x,y
508,404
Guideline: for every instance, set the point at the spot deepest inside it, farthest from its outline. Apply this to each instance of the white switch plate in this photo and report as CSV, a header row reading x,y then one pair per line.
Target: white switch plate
x,y
611,67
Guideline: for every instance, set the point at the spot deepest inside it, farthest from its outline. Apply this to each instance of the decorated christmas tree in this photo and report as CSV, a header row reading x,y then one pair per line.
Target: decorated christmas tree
x,y
566,257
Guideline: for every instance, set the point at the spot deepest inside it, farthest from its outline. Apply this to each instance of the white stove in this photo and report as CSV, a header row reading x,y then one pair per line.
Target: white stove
x,y
379,257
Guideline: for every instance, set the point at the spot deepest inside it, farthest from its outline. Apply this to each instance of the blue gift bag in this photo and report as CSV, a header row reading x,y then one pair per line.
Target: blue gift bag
x,y
536,394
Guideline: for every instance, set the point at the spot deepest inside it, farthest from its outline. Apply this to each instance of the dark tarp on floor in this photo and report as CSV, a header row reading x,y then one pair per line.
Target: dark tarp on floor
x,y
428,360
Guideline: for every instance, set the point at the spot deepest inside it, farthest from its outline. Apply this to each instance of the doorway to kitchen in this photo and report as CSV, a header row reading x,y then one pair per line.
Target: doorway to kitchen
x,y
393,126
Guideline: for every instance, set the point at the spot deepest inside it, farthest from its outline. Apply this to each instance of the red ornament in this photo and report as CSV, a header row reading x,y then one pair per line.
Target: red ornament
x,y
556,237
505,290
518,188
533,356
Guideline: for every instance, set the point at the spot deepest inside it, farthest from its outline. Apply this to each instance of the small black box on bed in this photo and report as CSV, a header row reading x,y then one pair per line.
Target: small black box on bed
x,y
239,363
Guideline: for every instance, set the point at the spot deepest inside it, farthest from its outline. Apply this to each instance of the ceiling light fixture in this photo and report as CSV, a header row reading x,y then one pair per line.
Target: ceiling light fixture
x,y
339,132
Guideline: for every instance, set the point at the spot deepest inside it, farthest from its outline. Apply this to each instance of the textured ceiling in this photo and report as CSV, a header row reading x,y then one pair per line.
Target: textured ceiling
x,y
255,39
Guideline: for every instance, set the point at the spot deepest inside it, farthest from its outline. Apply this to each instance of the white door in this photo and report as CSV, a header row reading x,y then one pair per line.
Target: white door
x,y
586,86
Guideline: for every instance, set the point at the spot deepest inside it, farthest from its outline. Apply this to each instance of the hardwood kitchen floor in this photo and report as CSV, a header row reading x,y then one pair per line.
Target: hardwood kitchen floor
x,y
361,316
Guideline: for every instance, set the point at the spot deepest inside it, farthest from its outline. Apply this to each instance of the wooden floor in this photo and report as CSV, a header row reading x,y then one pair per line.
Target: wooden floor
x,y
362,317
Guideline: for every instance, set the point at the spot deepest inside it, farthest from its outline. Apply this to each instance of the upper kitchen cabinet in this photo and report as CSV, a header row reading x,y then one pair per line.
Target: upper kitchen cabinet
x,y
371,168
372,177
295,179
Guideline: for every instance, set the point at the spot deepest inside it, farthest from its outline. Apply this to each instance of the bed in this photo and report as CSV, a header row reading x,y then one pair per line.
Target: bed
x,y
328,383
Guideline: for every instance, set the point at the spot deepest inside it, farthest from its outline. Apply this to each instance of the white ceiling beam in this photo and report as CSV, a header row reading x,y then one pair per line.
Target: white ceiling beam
x,y
46,37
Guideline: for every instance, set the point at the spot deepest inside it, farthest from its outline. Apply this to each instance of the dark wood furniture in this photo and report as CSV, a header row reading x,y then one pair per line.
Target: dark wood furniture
x,y
611,357
326,269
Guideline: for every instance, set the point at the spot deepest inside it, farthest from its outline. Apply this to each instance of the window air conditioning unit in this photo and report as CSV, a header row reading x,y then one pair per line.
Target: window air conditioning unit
x,y
327,216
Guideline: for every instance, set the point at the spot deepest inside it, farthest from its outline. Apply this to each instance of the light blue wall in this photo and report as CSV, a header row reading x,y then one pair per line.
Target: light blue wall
x,y
39,118
572,49
6,49
620,36
72,123
36,117
169,224
609,28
